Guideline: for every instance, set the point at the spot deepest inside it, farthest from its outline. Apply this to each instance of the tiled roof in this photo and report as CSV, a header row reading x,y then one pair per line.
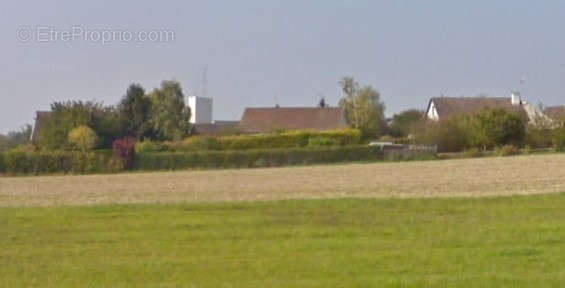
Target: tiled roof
x,y
556,112
216,128
266,120
447,106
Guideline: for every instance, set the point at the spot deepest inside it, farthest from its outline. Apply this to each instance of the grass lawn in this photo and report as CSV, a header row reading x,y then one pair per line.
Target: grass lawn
x,y
479,242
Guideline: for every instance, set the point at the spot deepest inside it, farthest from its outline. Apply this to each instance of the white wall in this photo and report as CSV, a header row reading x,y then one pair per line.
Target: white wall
x,y
201,109
432,112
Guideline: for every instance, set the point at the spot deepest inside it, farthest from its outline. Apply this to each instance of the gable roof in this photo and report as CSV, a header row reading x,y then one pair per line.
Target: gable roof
x,y
556,112
215,129
448,106
266,120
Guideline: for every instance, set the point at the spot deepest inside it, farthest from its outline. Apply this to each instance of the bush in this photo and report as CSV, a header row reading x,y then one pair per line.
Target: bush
x,y
36,163
321,142
473,153
507,150
255,158
539,138
196,144
485,130
83,138
124,150
449,134
148,146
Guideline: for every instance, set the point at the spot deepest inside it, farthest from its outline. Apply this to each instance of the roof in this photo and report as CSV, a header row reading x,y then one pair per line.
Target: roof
x,y
447,106
216,128
556,112
266,120
40,118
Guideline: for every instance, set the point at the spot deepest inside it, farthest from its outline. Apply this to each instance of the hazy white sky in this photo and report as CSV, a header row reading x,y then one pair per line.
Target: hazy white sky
x,y
298,50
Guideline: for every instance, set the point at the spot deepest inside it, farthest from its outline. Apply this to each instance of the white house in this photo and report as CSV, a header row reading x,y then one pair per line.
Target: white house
x,y
442,107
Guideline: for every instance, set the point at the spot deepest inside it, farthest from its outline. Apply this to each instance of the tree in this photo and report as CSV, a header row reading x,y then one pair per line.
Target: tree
x,y
65,116
134,111
402,123
450,134
15,138
83,138
363,108
497,127
169,114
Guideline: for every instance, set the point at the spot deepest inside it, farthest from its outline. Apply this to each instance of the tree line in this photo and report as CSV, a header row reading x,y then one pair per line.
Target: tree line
x,y
160,115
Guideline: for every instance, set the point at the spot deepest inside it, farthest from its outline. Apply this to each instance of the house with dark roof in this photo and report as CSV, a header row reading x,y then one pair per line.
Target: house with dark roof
x,y
444,107
267,120
40,118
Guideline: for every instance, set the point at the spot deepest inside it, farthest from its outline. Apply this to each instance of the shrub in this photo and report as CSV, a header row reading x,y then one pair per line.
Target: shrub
x,y
148,146
473,153
198,143
507,150
485,130
124,150
449,134
539,137
255,158
321,142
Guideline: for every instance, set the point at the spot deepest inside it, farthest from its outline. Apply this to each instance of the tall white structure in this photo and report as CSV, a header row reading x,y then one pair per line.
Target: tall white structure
x,y
201,109
516,99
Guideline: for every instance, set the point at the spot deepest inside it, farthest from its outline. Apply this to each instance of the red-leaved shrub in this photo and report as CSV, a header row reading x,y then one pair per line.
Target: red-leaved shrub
x,y
124,150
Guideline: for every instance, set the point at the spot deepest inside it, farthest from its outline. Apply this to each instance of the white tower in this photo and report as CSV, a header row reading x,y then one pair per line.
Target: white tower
x,y
516,99
200,109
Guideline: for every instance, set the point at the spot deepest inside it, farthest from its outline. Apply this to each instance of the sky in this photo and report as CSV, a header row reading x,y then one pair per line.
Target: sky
x,y
291,52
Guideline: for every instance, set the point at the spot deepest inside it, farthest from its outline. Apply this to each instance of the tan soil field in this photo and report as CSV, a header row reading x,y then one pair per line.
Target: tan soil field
x,y
446,178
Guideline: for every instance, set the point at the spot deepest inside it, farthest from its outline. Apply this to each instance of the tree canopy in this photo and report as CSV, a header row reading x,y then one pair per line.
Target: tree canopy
x,y
403,123
134,109
363,108
169,114
83,138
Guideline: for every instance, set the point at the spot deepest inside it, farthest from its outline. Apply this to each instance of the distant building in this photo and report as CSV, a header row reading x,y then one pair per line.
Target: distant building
x,y
267,120
556,113
201,109
443,107
216,128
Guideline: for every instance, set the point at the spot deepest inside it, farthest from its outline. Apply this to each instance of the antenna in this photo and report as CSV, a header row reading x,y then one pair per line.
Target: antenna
x,y
205,82
277,100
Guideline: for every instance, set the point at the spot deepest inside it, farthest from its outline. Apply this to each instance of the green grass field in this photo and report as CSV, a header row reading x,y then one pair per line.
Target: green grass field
x,y
481,242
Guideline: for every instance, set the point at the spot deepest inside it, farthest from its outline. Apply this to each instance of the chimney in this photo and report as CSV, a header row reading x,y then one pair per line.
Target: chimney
x,y
516,99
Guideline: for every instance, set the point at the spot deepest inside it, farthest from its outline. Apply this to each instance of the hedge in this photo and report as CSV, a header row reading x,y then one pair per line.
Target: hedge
x,y
36,163
254,158
291,139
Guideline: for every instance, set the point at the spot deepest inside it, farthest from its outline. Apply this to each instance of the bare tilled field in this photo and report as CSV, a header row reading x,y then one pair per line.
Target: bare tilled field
x,y
449,178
